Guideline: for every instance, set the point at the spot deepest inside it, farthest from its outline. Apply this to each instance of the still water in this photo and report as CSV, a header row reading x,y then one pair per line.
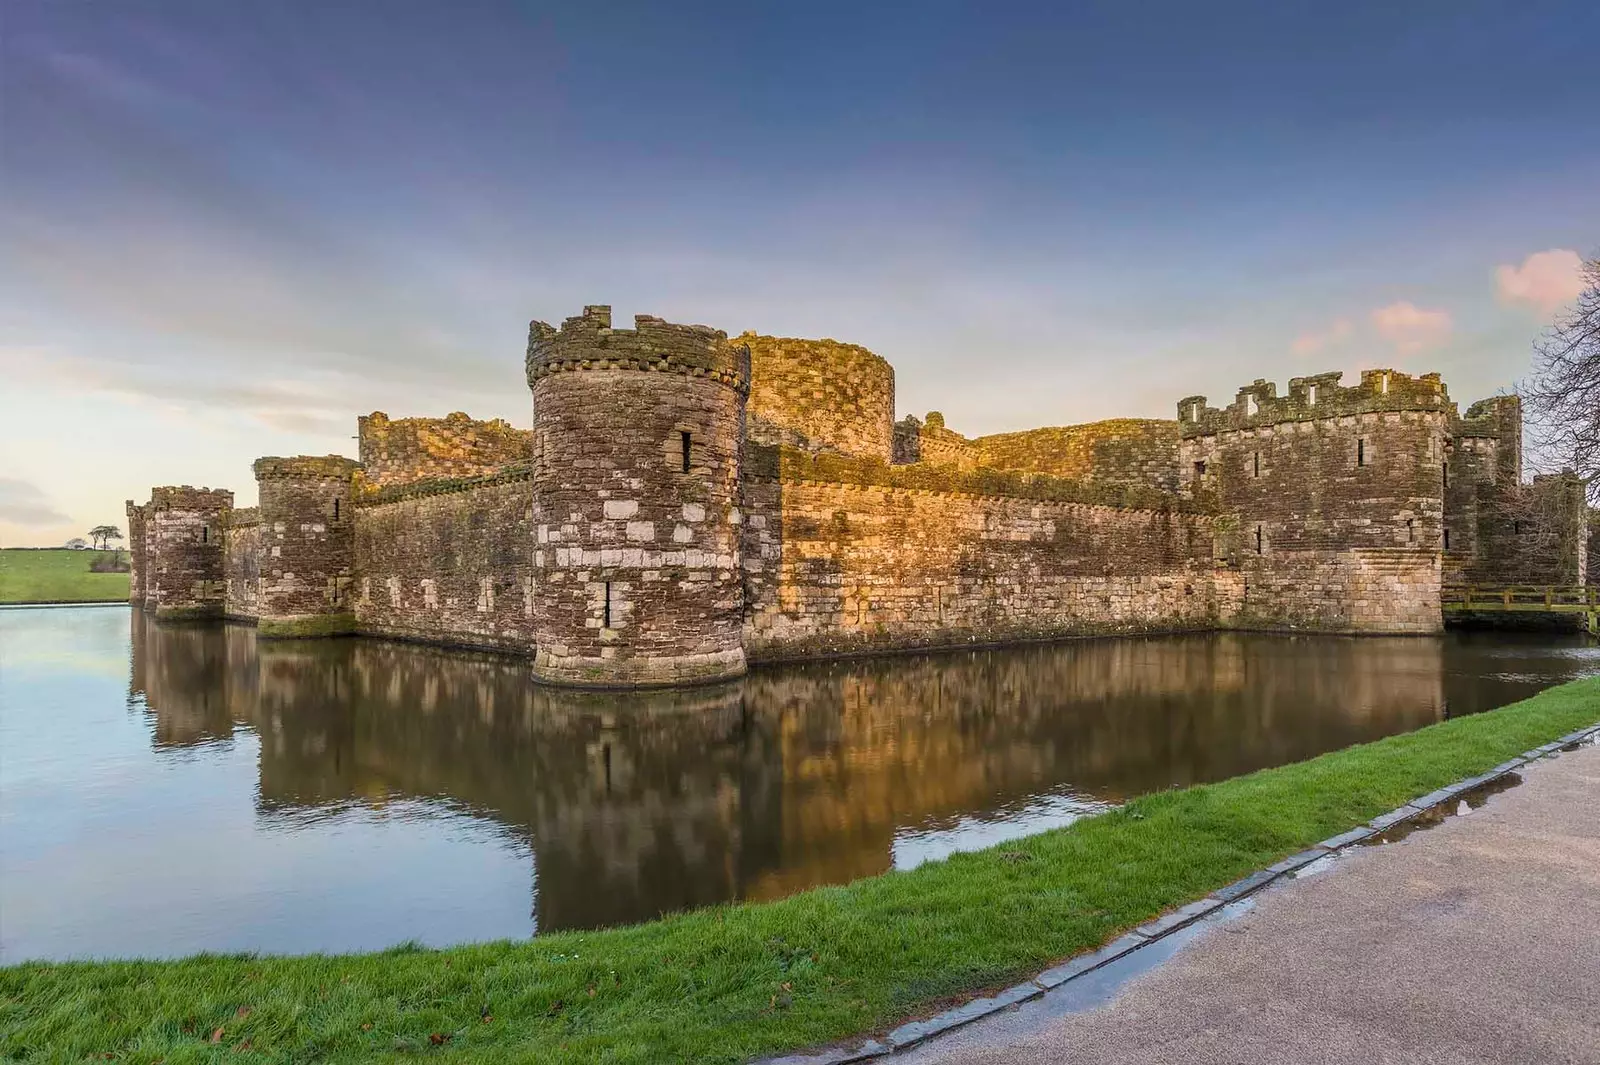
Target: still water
x,y
166,790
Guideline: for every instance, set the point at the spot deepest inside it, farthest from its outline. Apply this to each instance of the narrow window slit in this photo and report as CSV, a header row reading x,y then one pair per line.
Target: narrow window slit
x,y
335,510
685,440
1259,542
1361,451
1257,459
606,622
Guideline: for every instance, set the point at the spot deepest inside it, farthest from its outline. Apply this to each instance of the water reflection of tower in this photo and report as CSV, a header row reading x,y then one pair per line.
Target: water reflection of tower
x,y
184,674
633,803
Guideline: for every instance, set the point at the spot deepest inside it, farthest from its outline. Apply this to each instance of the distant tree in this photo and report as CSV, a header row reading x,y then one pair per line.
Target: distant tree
x,y
1562,399
102,535
78,543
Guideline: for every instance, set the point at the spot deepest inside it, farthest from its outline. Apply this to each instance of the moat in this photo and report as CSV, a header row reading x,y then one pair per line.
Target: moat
x,y
167,789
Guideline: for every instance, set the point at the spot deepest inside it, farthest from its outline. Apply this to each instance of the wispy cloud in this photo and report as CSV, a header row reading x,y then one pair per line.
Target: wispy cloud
x,y
24,503
1546,280
1411,329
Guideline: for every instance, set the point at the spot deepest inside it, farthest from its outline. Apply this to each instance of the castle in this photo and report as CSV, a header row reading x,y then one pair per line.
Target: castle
x,y
686,504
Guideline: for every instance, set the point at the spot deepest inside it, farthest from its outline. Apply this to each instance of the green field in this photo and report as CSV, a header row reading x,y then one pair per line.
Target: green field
x,y
725,983
57,575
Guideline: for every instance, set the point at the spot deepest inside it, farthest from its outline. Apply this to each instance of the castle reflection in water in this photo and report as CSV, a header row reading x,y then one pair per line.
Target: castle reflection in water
x,y
640,803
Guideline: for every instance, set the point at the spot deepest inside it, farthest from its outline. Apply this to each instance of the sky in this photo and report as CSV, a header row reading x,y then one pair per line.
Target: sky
x,y
227,229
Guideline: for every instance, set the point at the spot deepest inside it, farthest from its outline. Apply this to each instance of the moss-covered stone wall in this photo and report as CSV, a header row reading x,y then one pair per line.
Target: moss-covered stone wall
x,y
842,564
1141,451
819,395
449,566
927,440
400,451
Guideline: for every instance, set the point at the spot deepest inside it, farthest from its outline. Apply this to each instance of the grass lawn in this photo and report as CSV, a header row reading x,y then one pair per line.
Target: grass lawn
x,y
57,575
722,984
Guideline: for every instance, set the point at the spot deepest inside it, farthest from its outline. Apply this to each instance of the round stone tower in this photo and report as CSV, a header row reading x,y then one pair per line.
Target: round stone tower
x,y
637,438
307,545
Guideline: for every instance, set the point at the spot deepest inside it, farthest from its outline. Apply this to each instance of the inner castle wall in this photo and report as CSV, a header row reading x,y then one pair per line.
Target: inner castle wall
x,y
685,503
819,395
400,451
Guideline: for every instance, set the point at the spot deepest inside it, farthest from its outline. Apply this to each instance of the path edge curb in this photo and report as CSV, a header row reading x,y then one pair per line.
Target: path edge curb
x,y
911,1033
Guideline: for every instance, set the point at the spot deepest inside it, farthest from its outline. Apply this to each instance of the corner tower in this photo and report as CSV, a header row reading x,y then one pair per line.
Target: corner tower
x,y
636,449
307,546
183,552
1335,495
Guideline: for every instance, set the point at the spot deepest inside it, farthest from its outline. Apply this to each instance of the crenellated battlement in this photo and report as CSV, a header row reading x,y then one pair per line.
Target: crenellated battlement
x,y
929,440
187,497
306,467
1314,398
398,451
587,342
821,395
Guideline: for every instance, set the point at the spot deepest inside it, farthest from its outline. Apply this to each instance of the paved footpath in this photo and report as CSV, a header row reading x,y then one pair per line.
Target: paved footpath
x,y
1475,941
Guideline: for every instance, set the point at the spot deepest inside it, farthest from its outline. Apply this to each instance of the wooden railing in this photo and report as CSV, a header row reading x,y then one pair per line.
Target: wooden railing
x,y
1532,599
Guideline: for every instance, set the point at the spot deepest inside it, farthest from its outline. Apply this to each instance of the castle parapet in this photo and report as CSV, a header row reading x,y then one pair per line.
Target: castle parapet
x,y
587,342
397,451
929,440
1313,398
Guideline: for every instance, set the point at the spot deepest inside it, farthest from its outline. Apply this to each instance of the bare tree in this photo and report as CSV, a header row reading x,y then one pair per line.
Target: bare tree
x,y
1562,399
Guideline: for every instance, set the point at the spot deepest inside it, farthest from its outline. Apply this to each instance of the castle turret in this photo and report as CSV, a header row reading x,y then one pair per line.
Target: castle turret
x,y
183,552
637,438
307,546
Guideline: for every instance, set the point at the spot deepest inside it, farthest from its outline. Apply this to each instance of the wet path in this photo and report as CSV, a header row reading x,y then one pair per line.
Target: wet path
x,y
1477,941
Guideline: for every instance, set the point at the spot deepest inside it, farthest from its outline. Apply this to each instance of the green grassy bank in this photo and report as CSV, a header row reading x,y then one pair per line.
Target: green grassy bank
x,y
57,575
726,983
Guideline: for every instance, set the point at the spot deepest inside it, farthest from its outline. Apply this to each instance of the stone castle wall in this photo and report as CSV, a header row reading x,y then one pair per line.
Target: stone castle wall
x,y
927,440
819,395
440,562
1125,451
1362,590
242,565
1118,451
419,449
844,559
